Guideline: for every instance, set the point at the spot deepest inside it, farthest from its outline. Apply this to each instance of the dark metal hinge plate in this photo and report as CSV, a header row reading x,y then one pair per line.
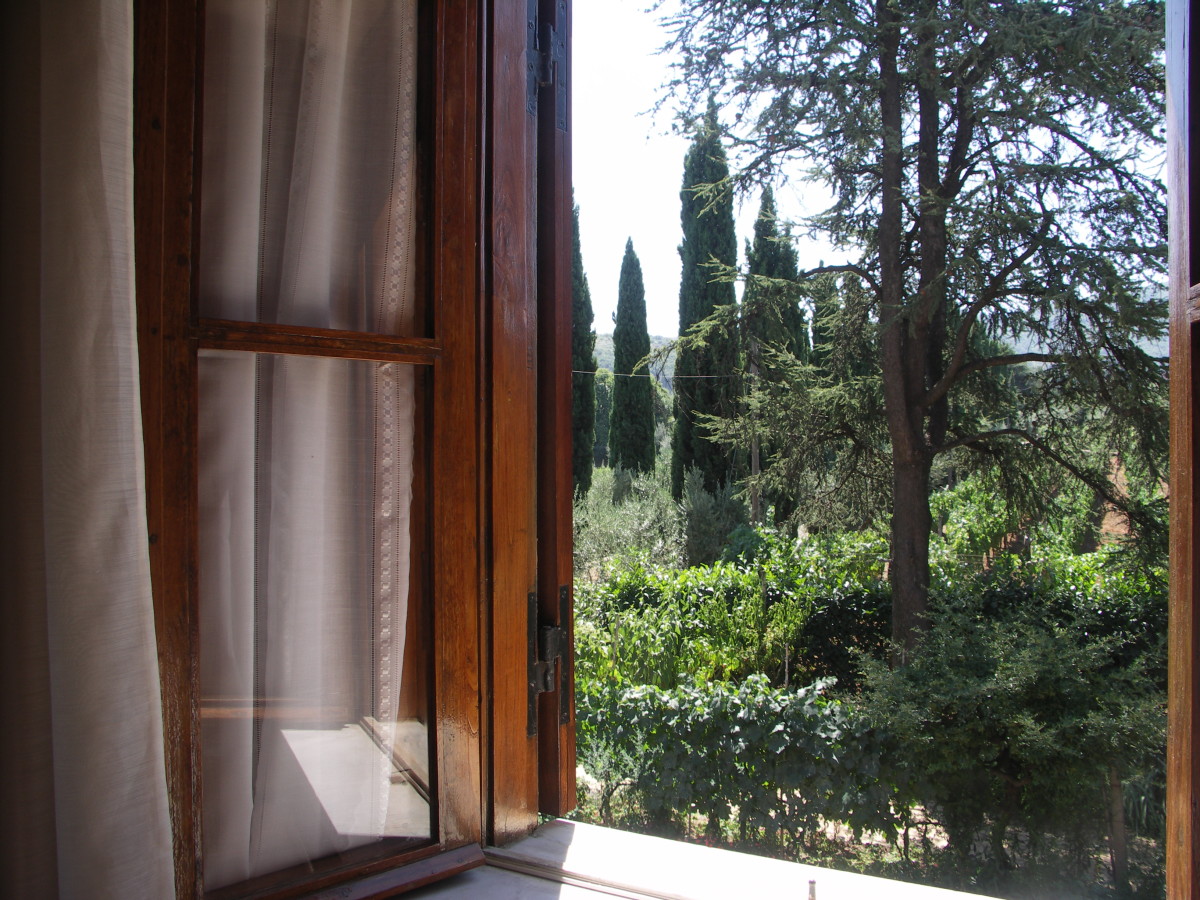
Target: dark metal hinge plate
x,y
549,659
546,60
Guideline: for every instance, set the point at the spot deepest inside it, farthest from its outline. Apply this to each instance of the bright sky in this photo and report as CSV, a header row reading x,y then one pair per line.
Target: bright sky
x,y
628,167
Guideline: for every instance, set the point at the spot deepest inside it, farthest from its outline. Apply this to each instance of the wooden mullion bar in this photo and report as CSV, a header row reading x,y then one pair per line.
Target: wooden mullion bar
x,y
226,334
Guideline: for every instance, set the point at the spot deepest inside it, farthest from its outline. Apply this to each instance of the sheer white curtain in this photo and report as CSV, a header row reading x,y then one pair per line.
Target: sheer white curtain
x,y
84,792
307,219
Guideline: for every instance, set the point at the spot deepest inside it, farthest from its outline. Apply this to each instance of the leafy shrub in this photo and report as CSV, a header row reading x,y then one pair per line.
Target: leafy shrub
x,y
843,628
799,612
779,762
653,626
1018,700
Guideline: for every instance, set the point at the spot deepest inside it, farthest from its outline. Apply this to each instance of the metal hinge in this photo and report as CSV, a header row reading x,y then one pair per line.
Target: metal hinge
x,y
546,61
549,659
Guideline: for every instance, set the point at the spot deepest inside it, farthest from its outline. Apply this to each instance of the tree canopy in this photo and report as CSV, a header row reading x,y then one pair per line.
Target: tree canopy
x,y
991,168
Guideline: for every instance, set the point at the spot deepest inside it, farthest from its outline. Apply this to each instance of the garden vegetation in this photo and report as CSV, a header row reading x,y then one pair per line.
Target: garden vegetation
x,y
734,686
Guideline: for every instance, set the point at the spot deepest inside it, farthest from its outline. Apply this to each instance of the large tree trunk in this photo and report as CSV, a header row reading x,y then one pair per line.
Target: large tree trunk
x,y
902,344
911,526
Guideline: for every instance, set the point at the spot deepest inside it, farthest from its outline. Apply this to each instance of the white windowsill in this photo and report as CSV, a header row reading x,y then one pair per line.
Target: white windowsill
x,y
571,861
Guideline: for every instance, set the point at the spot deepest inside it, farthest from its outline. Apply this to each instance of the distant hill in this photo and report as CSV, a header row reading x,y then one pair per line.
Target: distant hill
x,y
604,356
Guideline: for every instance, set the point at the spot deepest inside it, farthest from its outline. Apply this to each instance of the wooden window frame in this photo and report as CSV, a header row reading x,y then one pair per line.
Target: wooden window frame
x,y
496,257
1183,643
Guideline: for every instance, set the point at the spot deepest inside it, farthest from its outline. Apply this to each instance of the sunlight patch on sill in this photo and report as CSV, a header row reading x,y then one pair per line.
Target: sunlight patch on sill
x,y
623,864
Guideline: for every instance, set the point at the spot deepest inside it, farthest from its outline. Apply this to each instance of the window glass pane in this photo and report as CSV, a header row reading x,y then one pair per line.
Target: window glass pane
x,y
312,659
307,212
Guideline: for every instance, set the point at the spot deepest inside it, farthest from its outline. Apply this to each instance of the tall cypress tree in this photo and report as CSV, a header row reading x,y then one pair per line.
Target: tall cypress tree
x,y
604,389
772,299
772,319
631,433
708,237
583,363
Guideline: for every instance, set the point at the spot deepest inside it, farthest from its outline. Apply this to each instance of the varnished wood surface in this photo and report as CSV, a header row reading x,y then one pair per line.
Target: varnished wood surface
x,y
366,872
454,219
1183,762
556,739
164,116
412,876
511,258
224,334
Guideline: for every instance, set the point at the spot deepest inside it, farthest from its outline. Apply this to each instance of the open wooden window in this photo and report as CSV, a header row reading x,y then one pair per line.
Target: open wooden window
x,y
353,286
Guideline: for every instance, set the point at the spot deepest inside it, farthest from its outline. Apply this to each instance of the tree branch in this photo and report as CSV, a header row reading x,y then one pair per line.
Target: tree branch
x,y
990,294
1103,489
848,267
1013,359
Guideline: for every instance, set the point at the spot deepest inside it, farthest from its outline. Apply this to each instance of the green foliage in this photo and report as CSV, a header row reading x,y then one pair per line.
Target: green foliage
x,y
792,612
653,626
975,517
646,521
822,421
999,225
1038,675
772,320
771,302
781,761
705,372
603,394
631,432
709,517
583,366
1024,690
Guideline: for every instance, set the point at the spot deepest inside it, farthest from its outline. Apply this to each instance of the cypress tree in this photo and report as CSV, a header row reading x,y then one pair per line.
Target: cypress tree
x,y
631,433
773,319
772,300
708,236
604,389
583,363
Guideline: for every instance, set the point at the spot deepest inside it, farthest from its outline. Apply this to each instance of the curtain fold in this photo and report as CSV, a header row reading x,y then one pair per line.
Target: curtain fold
x,y
85,726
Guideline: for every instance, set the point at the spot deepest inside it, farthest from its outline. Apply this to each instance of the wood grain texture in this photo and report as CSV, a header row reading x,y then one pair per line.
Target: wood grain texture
x,y
164,138
511,254
1183,721
383,869
412,876
455,474
223,334
556,739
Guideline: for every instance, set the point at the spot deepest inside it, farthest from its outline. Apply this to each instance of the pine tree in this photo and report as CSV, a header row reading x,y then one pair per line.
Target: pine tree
x,y
631,433
583,363
704,375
